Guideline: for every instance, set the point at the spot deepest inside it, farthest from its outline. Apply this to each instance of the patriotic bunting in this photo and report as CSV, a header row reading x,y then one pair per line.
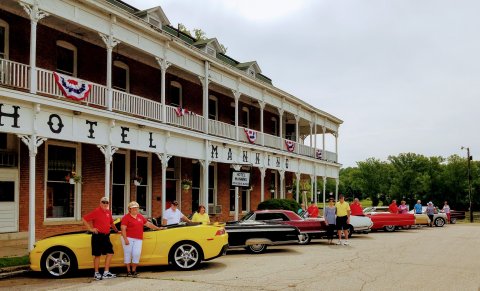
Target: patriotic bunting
x,y
290,145
319,154
182,111
251,135
71,87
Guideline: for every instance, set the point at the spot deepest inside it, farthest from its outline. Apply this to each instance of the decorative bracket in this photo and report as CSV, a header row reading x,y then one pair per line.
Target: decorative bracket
x,y
108,151
33,11
109,40
164,158
163,64
32,142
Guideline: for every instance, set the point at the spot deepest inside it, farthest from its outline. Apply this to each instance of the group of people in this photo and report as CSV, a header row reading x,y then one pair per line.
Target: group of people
x,y
337,217
100,221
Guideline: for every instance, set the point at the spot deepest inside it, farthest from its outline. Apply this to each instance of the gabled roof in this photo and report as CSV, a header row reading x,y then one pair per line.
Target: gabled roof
x,y
157,11
247,65
210,41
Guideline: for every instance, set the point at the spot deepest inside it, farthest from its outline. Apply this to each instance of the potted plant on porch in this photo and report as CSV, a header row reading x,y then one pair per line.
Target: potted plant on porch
x,y
186,184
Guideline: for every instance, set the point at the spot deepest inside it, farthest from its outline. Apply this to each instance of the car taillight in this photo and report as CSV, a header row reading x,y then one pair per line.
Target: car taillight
x,y
221,231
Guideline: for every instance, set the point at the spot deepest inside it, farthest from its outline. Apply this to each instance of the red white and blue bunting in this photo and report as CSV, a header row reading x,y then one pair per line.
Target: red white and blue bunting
x,y
71,87
290,145
319,154
251,135
182,111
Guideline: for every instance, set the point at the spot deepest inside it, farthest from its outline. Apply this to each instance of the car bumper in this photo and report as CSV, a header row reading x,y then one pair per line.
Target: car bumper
x,y
223,252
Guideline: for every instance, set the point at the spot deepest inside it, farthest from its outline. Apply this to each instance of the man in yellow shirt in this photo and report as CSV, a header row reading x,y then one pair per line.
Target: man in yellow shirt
x,y
343,219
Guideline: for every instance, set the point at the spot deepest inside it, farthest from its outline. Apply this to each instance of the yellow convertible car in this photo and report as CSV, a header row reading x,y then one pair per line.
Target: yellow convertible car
x,y
185,247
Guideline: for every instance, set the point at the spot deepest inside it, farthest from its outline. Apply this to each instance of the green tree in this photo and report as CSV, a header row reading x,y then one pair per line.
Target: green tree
x,y
375,179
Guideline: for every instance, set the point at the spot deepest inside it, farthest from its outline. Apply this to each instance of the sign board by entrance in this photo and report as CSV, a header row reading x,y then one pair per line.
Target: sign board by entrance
x,y
240,179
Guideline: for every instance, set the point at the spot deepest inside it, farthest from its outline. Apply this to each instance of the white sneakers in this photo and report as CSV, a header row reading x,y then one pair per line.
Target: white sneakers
x,y
345,243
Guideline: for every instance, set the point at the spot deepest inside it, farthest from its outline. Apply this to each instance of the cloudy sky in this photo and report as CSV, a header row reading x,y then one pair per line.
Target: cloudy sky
x,y
403,75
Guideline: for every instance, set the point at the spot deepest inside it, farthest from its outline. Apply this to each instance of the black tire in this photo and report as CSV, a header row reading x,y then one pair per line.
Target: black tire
x,y
389,228
305,239
58,262
453,220
350,230
256,249
186,255
439,222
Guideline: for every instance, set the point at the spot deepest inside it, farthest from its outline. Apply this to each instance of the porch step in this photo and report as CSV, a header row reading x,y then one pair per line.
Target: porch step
x,y
13,244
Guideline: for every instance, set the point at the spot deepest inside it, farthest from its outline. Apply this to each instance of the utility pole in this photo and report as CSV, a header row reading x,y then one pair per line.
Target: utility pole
x,y
469,158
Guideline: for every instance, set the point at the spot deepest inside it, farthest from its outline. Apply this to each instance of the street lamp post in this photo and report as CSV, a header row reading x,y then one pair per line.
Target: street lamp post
x,y
469,158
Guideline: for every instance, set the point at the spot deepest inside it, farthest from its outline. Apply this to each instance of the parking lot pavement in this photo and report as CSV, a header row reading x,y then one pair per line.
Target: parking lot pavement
x,y
417,259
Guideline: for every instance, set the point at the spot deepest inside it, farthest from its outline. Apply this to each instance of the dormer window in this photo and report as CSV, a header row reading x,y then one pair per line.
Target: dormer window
x,y
251,73
211,51
154,21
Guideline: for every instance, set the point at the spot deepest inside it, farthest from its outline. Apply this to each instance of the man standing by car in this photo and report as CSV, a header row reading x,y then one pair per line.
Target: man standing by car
x,y
343,219
356,207
173,216
98,222
393,208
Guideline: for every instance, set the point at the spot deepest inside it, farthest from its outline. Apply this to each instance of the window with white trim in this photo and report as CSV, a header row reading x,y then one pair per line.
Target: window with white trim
x,y
212,184
251,73
243,200
120,191
62,189
4,31
212,107
66,58
245,117
211,51
142,175
273,186
173,179
121,76
175,95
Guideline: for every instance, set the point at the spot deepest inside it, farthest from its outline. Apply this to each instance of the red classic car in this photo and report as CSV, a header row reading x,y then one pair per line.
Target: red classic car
x,y
382,219
309,228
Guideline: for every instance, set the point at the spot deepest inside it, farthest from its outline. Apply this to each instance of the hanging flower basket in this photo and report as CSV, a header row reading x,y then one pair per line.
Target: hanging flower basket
x,y
186,184
73,178
137,180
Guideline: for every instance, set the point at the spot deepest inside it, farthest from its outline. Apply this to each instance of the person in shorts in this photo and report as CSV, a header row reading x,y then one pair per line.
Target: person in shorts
x,y
98,223
343,220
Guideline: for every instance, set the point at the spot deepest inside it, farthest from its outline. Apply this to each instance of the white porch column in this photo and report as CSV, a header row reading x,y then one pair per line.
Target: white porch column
x,y
282,184
324,190
204,188
110,43
311,136
164,159
323,142
280,124
163,68
32,142
312,177
35,15
205,81
263,172
297,133
108,151
297,192
262,108
236,168
315,136
337,181
236,95
336,146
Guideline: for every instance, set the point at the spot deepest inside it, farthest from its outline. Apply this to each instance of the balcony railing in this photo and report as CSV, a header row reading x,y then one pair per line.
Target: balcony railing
x,y
13,74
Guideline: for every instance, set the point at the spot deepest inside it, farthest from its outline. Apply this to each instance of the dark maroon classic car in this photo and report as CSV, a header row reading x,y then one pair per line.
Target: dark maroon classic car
x,y
456,215
309,228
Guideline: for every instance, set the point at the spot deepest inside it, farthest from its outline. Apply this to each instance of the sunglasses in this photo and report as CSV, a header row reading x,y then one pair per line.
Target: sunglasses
x,y
105,202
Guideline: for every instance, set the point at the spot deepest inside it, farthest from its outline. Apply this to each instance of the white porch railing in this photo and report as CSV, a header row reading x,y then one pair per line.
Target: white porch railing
x,y
272,141
222,129
305,150
46,84
136,105
242,136
330,156
14,74
188,120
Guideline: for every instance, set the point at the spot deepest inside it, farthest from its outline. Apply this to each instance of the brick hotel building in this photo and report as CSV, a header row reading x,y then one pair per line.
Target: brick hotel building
x,y
100,98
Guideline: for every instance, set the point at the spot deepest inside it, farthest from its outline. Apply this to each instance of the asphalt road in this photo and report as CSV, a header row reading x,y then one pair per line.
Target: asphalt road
x,y
445,258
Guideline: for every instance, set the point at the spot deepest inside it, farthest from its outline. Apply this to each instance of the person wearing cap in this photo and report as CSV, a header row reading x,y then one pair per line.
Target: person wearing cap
x,y
343,220
173,216
430,212
329,214
132,237
98,223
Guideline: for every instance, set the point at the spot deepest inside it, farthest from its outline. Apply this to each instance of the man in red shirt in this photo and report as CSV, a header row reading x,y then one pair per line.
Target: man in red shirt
x,y
393,208
98,222
312,210
356,207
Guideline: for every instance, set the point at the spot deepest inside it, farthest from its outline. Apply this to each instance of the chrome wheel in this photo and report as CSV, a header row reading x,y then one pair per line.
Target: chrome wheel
x,y
389,228
304,239
58,262
439,222
257,249
186,256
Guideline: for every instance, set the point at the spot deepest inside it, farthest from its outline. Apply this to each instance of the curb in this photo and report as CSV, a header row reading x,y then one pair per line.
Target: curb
x,y
8,272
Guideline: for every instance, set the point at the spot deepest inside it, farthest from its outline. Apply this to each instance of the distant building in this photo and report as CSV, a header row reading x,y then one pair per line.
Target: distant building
x,y
99,98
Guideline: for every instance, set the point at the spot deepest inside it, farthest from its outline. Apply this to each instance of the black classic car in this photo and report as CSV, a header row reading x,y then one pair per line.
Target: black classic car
x,y
255,236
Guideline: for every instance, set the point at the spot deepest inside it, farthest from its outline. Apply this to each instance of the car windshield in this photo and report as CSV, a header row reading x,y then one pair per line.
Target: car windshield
x,y
368,209
247,216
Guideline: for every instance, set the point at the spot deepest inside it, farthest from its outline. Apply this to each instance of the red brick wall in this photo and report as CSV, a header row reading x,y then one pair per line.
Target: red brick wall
x,y
19,40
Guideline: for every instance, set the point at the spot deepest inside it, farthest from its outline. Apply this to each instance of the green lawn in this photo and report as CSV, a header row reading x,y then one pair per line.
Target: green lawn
x,y
14,261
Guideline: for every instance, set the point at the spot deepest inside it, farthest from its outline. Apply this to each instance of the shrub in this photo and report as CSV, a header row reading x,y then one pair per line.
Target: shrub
x,y
286,204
